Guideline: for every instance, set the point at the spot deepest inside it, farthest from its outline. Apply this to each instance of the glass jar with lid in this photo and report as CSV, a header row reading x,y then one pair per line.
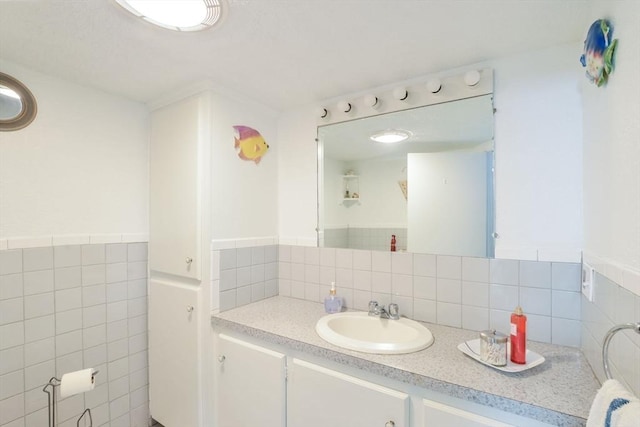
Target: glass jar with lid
x,y
493,347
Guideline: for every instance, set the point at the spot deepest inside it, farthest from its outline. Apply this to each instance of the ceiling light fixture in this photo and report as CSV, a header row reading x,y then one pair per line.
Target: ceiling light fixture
x,y
177,15
390,136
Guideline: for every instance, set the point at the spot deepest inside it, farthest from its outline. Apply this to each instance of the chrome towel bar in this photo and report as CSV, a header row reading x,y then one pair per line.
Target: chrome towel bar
x,y
607,338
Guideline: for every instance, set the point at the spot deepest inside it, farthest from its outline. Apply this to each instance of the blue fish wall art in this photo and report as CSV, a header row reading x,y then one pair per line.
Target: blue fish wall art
x,y
599,48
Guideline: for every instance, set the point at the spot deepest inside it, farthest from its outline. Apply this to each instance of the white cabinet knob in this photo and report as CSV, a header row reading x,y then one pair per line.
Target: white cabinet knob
x,y
189,309
221,358
188,260
389,424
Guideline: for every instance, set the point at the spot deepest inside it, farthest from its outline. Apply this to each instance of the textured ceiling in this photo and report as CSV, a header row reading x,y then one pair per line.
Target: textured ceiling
x,y
282,53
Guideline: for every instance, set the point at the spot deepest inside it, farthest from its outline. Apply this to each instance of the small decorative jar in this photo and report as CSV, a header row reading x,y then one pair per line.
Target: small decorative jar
x,y
493,347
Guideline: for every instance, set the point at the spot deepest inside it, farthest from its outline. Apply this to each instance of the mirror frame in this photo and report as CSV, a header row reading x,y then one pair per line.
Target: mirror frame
x,y
29,105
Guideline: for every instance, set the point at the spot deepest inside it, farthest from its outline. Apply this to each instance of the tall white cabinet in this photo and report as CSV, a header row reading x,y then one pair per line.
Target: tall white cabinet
x,y
179,262
178,171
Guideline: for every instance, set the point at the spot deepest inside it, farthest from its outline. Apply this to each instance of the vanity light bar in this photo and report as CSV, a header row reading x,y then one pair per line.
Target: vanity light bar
x,y
471,80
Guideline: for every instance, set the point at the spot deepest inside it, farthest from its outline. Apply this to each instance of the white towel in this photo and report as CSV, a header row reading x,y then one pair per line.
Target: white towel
x,y
614,406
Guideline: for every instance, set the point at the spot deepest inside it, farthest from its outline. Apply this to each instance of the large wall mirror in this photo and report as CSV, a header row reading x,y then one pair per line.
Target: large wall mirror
x,y
18,106
434,191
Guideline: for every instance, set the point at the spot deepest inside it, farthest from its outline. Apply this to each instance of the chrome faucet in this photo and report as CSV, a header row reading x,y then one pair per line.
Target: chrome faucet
x,y
378,310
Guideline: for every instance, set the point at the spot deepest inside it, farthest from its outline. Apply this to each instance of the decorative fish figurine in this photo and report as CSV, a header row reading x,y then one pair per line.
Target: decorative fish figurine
x,y
249,143
598,52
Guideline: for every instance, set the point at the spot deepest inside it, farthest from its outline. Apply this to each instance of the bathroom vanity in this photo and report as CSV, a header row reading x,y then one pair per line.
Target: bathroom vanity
x,y
271,364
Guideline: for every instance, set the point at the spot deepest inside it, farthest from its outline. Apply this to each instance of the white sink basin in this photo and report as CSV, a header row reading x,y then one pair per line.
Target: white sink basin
x,y
370,334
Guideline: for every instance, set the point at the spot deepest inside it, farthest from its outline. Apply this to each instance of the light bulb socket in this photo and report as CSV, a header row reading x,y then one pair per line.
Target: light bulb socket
x,y
434,85
472,77
400,93
372,101
322,112
344,106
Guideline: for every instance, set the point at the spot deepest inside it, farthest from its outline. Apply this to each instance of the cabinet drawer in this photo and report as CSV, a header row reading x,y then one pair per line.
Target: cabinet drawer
x,y
438,415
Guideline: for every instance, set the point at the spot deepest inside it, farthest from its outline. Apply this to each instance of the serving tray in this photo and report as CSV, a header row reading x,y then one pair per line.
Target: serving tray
x,y
472,349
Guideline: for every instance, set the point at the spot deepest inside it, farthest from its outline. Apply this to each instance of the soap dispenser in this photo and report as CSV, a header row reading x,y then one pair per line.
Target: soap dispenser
x,y
332,303
518,336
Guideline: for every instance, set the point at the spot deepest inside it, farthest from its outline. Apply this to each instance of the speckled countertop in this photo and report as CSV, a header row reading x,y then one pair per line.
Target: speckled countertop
x,y
558,392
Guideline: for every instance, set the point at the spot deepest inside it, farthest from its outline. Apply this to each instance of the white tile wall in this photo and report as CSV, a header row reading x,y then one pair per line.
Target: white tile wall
x,y
64,308
612,305
474,293
72,277
250,274
535,274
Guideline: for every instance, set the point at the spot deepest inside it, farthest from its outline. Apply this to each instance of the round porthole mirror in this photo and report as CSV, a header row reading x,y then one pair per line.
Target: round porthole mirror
x,y
18,106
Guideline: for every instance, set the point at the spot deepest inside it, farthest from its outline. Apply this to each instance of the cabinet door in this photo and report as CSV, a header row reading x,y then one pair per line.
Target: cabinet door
x,y
174,208
320,397
438,415
174,374
251,385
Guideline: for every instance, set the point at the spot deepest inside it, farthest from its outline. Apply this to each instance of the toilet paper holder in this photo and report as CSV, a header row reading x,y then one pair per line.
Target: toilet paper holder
x,y
51,398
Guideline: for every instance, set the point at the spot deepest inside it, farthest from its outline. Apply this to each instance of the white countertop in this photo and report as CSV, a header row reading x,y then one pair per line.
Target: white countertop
x,y
558,392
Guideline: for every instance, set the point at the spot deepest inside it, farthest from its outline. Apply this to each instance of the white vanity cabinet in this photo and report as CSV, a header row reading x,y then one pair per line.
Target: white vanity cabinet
x,y
271,386
251,387
319,397
437,415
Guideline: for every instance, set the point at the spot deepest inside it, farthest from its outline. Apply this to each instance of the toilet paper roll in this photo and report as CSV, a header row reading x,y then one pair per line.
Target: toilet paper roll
x,y
77,382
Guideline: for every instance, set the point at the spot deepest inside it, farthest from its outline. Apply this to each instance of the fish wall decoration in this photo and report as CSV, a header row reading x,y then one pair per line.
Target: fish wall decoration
x,y
598,52
249,144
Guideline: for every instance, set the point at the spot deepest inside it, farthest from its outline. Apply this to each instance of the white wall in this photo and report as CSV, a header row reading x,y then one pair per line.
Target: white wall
x,y
612,198
79,169
244,194
381,203
297,183
538,136
612,153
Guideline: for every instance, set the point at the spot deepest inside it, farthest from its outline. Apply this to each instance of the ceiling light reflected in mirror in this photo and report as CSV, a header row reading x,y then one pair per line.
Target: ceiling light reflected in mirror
x,y
391,136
